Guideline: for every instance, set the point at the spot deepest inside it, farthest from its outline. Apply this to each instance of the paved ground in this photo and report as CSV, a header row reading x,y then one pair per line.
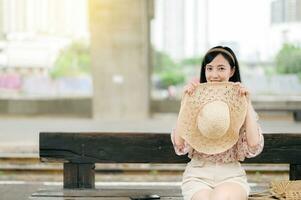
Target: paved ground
x,y
18,190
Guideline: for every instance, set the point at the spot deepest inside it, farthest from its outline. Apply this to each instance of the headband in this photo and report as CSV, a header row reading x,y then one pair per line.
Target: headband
x,y
222,50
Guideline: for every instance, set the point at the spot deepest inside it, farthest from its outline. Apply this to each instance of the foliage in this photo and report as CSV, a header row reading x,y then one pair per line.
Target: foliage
x,y
74,60
167,69
288,60
173,72
171,78
163,62
193,61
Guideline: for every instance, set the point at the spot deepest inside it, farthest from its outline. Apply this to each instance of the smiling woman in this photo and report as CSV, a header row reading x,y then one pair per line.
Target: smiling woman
x,y
219,65
219,70
216,174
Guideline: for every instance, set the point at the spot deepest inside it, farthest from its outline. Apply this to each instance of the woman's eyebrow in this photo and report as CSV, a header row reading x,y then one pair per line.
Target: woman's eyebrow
x,y
220,65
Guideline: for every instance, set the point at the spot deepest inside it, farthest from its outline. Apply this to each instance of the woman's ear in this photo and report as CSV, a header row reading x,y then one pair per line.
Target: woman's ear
x,y
232,71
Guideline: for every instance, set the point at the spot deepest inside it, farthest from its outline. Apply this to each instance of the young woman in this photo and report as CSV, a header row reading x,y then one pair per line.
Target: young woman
x,y
220,176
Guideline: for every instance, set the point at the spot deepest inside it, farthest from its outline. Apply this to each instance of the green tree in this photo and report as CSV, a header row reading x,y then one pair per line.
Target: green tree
x,y
169,71
74,60
193,61
172,78
288,59
172,72
163,62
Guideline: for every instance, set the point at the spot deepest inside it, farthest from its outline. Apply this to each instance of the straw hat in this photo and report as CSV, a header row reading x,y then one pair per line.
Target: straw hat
x,y
210,119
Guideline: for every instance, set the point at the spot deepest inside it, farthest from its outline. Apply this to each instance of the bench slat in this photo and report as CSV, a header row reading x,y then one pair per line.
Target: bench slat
x,y
147,148
113,192
98,198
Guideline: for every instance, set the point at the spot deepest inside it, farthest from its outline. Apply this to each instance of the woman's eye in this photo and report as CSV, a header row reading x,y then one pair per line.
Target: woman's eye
x,y
209,68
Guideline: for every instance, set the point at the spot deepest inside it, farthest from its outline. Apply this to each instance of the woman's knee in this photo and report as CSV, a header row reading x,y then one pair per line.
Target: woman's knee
x,y
203,194
229,191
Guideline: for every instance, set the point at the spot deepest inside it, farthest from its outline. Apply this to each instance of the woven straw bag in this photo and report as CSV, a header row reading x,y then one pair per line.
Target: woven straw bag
x,y
290,190
281,190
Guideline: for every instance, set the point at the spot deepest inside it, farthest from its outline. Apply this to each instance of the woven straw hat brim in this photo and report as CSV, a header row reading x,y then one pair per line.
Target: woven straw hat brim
x,y
192,105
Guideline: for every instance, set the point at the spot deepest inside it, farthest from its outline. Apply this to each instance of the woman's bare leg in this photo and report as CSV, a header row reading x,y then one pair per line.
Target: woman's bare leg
x,y
202,194
229,191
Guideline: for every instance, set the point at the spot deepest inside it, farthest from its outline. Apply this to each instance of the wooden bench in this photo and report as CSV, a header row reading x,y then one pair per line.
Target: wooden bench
x,y
80,151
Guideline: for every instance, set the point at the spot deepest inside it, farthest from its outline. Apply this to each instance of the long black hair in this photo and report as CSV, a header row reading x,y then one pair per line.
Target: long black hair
x,y
212,54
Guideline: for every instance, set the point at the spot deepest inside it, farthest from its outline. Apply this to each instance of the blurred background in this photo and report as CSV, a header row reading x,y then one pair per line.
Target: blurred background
x,y
47,46
121,65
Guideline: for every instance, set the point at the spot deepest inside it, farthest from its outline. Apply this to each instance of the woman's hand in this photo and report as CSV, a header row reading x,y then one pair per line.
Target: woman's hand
x,y
179,141
191,86
243,90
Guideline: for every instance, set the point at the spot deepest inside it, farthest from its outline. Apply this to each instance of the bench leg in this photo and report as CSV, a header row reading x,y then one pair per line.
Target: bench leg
x,y
79,175
297,115
295,172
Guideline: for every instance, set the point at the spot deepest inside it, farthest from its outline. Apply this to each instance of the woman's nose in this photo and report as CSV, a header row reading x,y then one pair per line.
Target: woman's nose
x,y
214,74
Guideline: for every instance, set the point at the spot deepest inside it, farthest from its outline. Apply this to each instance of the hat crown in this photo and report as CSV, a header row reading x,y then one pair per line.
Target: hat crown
x,y
213,120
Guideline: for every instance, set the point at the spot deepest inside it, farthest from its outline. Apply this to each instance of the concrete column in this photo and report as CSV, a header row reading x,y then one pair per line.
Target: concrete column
x,y
120,50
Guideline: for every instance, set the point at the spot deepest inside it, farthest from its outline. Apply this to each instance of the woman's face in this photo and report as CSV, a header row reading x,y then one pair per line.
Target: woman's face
x,y
218,70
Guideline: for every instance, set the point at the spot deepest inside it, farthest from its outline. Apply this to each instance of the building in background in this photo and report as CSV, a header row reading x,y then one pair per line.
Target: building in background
x,y
285,22
285,11
255,29
1,22
188,28
179,27
33,31
53,17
